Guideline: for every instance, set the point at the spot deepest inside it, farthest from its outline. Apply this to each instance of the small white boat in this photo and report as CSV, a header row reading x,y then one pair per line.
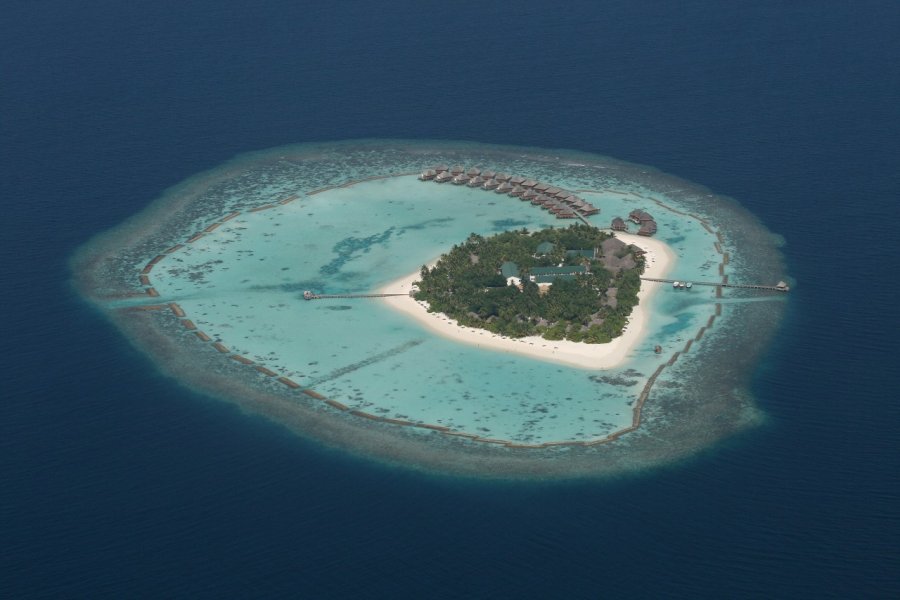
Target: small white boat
x,y
675,284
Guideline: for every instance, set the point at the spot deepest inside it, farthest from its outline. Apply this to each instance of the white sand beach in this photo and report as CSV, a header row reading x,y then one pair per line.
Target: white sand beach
x,y
660,259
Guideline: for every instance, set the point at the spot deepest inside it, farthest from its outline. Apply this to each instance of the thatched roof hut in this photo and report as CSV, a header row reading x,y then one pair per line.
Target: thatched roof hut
x,y
502,177
427,175
516,180
488,174
504,188
541,187
473,171
460,179
475,181
457,169
618,224
491,184
648,228
516,191
443,177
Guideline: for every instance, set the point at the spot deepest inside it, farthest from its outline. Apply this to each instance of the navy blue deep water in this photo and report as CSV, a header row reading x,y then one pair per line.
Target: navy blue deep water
x,y
117,482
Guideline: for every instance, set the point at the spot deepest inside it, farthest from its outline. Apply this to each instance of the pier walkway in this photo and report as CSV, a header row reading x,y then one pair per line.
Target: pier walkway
x,y
781,287
310,296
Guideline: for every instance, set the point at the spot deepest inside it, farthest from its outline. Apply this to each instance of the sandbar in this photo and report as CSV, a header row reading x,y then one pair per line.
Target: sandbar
x,y
659,261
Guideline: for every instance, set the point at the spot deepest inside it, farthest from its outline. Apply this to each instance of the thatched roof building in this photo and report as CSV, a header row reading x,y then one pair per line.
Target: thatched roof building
x,y
648,228
618,224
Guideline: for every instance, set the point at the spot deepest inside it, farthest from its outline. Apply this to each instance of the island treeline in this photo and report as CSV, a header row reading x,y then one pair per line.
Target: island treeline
x,y
577,283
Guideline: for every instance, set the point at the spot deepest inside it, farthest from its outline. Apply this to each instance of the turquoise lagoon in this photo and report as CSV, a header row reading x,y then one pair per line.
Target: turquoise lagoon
x,y
359,218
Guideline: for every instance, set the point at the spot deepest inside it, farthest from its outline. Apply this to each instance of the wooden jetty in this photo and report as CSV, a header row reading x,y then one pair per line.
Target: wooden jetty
x,y
779,287
307,295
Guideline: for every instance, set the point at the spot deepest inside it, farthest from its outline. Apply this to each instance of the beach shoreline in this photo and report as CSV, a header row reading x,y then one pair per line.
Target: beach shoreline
x,y
660,259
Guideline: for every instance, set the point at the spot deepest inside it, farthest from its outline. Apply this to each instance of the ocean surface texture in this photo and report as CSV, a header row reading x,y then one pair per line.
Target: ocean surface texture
x,y
118,481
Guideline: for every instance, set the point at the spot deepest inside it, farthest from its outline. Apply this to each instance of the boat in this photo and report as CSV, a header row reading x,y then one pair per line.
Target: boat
x,y
675,284
688,285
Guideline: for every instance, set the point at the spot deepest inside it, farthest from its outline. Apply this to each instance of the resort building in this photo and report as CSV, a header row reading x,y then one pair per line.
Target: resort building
x,y
618,224
547,275
648,228
639,216
510,271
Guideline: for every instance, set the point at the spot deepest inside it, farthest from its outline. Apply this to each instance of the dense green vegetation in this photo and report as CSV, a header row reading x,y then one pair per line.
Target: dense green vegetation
x,y
466,284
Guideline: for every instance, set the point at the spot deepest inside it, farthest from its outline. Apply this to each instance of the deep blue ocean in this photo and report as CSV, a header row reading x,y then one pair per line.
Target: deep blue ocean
x,y
117,482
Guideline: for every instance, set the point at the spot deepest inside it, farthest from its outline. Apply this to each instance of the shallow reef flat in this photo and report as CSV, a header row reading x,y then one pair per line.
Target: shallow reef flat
x,y
209,281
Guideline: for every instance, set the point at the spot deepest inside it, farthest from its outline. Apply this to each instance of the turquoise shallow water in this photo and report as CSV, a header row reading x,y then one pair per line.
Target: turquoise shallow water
x,y
242,285
348,218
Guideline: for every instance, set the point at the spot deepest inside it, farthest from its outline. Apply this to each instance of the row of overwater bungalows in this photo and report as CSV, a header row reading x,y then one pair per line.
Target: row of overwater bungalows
x,y
561,203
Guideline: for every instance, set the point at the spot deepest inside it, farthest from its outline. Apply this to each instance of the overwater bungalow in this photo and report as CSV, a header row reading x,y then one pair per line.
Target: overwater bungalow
x,y
516,191
427,175
571,199
639,216
488,174
460,179
472,172
528,195
516,180
541,187
589,209
475,181
537,200
566,213
443,177
529,183
502,177
491,184
647,229
552,191
457,169
618,224
504,188
441,167
562,194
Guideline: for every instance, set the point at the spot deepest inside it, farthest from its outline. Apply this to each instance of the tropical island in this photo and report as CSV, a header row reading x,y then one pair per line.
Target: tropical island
x,y
578,283
210,282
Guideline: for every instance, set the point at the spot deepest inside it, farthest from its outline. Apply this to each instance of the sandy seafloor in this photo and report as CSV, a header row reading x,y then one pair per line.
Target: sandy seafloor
x,y
241,283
